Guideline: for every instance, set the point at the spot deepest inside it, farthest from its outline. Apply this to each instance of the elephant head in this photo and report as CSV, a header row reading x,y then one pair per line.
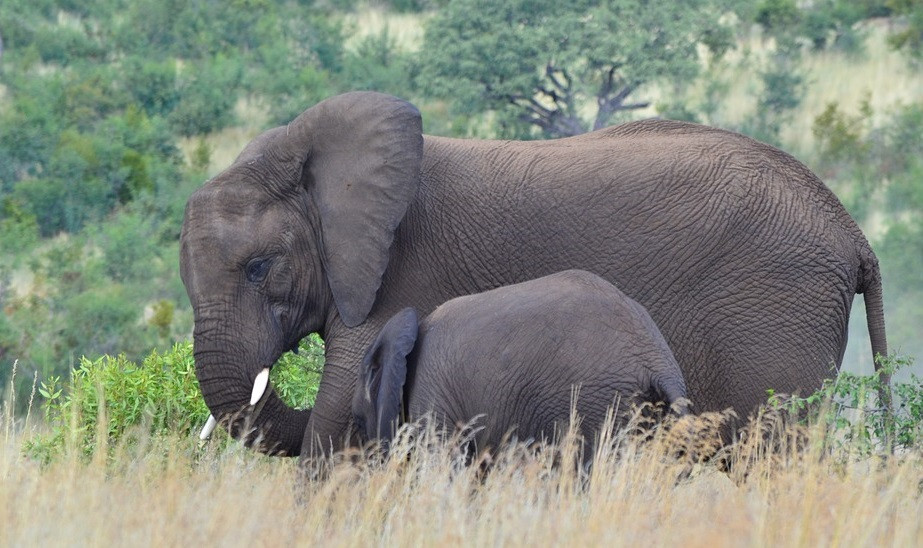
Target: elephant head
x,y
376,404
291,237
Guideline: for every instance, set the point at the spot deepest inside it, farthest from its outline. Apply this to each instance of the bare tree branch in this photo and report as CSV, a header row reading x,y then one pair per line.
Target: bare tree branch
x,y
609,105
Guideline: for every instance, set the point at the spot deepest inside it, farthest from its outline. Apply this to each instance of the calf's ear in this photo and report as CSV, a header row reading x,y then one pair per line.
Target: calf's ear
x,y
384,370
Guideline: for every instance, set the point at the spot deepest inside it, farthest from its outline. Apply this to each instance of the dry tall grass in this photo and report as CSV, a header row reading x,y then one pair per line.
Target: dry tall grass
x,y
170,493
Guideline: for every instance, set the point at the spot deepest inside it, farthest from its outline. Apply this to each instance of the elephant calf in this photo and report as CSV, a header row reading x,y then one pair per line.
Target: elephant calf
x,y
513,354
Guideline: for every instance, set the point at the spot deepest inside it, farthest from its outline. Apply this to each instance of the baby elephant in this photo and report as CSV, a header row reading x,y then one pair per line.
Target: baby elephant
x,y
513,354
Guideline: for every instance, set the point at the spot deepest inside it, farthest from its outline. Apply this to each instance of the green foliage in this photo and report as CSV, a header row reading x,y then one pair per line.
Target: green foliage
x,y
850,407
296,377
901,256
88,295
410,6
81,174
378,65
782,83
111,395
777,14
96,318
782,92
292,78
292,90
65,45
128,246
844,150
29,126
206,98
201,157
162,316
910,36
821,24
840,135
152,84
18,228
538,65
112,398
61,204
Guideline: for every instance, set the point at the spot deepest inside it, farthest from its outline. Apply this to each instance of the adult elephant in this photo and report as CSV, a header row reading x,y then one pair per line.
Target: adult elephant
x,y
333,223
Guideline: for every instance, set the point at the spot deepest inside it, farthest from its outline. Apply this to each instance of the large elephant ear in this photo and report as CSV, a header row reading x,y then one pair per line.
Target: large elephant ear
x,y
362,153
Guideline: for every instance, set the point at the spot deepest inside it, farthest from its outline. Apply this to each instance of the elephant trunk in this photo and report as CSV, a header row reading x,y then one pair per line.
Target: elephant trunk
x,y
267,424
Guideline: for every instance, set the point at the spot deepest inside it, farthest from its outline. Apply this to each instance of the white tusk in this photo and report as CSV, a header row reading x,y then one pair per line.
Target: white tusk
x,y
259,386
208,428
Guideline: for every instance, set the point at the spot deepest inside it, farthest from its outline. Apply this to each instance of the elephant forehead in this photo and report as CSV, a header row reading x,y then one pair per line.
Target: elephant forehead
x,y
223,198
224,216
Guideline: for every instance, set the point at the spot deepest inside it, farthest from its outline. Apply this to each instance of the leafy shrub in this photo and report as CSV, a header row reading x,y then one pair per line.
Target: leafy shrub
x,y
64,45
162,316
822,23
206,96
777,14
152,84
29,125
840,135
100,320
115,397
851,408
128,246
63,204
379,65
783,88
296,376
85,174
910,36
18,228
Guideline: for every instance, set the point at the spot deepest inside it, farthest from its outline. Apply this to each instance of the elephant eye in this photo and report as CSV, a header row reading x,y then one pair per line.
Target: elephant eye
x,y
257,270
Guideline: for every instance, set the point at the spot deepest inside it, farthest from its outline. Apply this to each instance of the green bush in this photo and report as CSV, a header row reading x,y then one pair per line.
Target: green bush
x,y
128,245
850,406
116,398
18,229
379,65
29,125
100,321
207,95
63,205
64,45
151,84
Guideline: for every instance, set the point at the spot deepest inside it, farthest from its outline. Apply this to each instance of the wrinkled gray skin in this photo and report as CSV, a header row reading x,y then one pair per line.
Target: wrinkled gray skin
x,y
333,223
514,355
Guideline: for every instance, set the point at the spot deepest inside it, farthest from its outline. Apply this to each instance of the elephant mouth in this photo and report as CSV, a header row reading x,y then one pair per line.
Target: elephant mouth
x,y
259,390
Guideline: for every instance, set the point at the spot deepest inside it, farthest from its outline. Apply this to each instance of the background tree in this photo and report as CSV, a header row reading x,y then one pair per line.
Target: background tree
x,y
563,68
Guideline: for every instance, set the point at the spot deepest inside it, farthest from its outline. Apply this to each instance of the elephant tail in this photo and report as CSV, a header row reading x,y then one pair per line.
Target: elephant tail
x,y
870,286
875,316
